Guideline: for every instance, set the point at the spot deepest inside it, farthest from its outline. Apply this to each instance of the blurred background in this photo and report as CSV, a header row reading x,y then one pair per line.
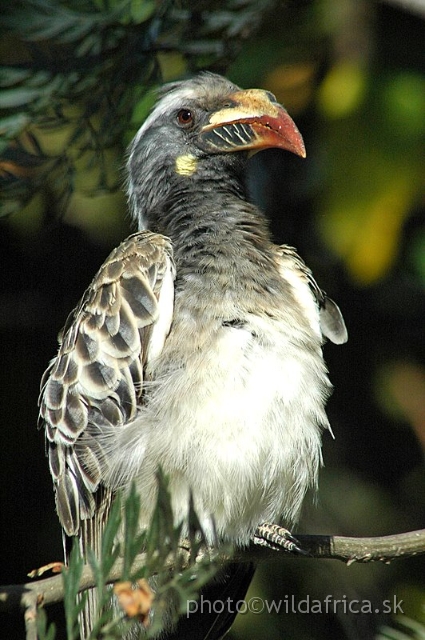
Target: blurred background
x,y
76,80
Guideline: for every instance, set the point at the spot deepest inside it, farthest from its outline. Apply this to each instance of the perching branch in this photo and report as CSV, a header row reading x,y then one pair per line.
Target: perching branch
x,y
350,550
383,548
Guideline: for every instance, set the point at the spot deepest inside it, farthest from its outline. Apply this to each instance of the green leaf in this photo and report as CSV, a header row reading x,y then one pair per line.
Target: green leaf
x,y
97,568
12,126
92,43
131,521
48,29
45,631
12,98
13,75
141,10
73,603
40,79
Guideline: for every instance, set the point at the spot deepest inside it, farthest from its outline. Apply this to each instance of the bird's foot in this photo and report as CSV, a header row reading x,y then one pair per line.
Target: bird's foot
x,y
275,537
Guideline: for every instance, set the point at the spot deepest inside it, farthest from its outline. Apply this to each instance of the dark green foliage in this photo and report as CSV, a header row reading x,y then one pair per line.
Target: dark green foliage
x,y
71,581
45,631
404,628
84,68
123,541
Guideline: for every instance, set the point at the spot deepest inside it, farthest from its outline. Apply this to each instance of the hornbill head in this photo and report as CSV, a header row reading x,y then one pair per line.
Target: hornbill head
x,y
194,131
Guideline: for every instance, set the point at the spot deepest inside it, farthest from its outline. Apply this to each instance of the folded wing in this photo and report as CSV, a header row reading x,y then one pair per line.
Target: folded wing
x,y
96,380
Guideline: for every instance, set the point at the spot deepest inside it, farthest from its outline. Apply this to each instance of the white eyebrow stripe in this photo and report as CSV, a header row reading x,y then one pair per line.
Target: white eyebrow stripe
x,y
164,106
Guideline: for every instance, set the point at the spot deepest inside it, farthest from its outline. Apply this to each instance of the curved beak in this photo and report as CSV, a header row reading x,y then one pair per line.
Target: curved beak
x,y
252,120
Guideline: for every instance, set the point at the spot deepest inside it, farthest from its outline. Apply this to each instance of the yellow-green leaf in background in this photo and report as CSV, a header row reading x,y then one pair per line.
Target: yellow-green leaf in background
x,y
375,173
343,89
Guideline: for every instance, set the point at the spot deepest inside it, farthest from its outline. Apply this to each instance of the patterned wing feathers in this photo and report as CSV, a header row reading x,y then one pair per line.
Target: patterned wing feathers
x,y
97,376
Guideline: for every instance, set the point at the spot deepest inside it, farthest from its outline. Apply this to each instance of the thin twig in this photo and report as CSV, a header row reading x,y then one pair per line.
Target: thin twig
x,y
384,549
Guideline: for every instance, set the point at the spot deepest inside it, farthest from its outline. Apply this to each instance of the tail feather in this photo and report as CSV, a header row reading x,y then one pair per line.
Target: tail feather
x,y
90,537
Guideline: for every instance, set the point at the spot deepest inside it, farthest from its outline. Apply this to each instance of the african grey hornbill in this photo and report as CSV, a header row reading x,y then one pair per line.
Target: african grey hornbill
x,y
198,345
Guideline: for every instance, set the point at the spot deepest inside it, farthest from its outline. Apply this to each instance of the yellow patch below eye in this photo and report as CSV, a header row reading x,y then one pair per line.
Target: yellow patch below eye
x,y
186,165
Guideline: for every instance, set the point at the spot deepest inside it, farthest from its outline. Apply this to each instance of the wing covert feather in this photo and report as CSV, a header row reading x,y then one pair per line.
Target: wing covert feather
x,y
97,377
332,323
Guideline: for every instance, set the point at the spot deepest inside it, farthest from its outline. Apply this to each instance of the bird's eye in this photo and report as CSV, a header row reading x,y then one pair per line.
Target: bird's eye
x,y
185,117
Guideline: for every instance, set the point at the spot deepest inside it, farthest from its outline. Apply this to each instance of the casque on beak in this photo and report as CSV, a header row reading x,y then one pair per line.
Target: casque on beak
x,y
252,120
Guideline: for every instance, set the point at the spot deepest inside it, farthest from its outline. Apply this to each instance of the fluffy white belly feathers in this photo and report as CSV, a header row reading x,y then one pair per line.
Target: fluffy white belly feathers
x,y
240,428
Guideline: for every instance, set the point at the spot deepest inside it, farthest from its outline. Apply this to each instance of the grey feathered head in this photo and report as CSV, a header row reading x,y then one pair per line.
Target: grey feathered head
x,y
196,126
